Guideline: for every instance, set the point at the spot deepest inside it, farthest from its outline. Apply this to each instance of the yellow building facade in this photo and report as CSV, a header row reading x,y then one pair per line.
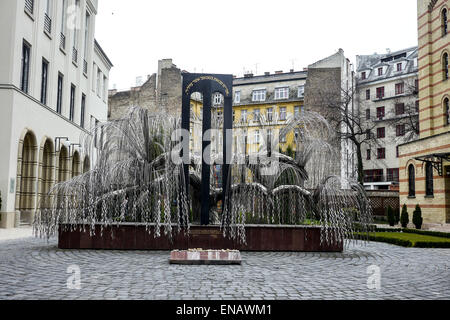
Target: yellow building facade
x,y
425,163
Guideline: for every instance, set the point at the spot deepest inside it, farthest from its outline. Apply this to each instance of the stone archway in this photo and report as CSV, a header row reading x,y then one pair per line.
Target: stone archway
x,y
76,164
86,164
46,173
63,165
26,176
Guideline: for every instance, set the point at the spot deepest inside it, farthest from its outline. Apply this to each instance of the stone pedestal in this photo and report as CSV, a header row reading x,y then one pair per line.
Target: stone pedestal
x,y
8,220
200,257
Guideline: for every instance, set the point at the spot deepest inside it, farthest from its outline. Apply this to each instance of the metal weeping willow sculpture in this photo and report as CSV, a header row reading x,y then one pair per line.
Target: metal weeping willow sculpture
x,y
135,180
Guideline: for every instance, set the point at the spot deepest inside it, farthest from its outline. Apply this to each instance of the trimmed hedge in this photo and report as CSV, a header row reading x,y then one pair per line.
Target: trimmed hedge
x,y
398,242
427,233
424,244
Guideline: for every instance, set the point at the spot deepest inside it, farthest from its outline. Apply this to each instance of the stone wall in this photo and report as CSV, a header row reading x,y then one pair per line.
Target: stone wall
x,y
161,92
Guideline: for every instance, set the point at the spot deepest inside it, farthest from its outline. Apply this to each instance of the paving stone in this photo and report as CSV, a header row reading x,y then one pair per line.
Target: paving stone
x,y
36,269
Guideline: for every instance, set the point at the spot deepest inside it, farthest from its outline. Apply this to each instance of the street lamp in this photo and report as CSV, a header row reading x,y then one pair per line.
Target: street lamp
x,y
58,143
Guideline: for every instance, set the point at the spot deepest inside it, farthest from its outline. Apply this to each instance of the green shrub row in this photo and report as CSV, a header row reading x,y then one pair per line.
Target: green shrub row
x,y
398,242
430,244
427,233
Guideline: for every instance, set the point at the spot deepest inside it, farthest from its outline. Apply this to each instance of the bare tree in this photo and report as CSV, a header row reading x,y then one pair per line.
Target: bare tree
x,y
338,103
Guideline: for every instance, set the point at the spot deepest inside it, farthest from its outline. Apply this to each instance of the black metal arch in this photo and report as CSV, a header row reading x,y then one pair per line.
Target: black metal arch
x,y
207,84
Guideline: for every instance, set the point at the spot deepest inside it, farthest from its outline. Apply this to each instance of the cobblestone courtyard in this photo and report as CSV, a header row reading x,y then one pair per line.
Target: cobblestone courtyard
x,y
35,269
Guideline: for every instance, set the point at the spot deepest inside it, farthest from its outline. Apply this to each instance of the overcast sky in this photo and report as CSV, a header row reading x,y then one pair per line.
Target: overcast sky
x,y
234,36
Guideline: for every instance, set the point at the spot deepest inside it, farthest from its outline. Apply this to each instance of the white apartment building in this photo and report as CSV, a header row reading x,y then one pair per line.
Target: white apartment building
x,y
53,89
387,89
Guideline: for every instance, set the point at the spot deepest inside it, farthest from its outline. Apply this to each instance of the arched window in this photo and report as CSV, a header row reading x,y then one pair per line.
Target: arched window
x,y
447,111
445,65
444,22
429,179
412,181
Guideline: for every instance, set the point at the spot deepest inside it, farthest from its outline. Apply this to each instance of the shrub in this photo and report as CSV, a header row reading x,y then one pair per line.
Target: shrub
x,y
390,216
431,244
397,216
404,218
398,242
428,233
417,217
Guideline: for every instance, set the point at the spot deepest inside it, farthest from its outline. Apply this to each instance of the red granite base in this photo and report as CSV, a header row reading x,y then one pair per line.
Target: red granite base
x,y
136,237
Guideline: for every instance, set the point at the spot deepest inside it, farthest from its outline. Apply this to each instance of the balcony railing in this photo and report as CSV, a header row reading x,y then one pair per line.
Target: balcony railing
x,y
48,24
382,178
74,55
29,6
62,41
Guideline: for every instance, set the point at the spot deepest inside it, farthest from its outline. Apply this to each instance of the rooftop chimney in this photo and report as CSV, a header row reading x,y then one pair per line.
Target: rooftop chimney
x,y
267,73
279,72
248,75
292,70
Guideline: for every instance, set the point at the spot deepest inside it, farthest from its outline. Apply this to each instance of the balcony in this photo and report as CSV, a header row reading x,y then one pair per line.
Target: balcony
x,y
391,95
381,178
47,24
85,67
74,55
62,42
29,6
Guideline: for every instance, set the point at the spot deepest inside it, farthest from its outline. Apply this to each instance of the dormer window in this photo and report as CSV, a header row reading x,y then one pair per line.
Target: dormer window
x,y
380,71
363,75
259,95
281,93
399,67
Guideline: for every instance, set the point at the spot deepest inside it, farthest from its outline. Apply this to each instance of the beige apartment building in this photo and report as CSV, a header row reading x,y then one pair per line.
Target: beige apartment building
x,y
53,89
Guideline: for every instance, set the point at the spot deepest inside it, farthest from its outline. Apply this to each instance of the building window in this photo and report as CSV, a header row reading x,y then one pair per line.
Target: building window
x,y
234,116
380,93
380,113
399,88
217,100
429,179
59,96
368,134
399,109
86,37
105,88
363,75
397,152
47,16
281,93
367,114
62,43
44,81
237,97
256,114
368,94
25,71
447,111
99,83
411,181
445,65
399,67
400,129
393,175
369,155
283,114
257,136
270,114
444,22
72,102
381,154
380,71
381,133
301,91
282,137
259,95
83,110
244,115
373,175
416,86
